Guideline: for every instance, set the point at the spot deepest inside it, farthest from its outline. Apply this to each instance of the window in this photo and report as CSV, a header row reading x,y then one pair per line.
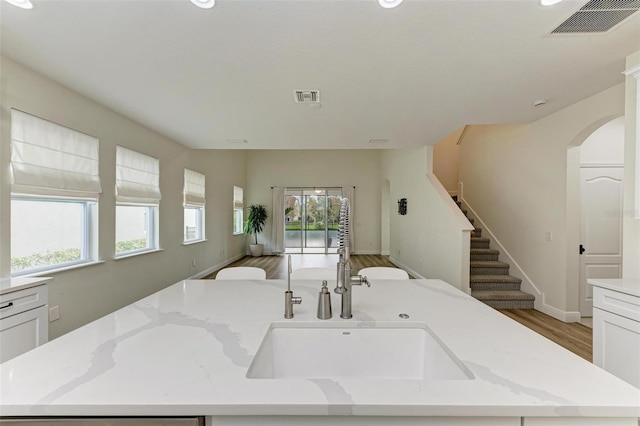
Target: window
x,y
194,200
135,226
238,208
54,194
137,202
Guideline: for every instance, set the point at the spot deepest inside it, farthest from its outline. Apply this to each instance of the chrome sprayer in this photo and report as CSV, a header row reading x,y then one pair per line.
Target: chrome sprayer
x,y
345,280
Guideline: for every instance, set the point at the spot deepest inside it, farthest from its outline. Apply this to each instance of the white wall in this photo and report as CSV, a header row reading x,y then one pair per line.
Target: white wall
x,y
432,239
631,226
321,168
87,293
446,161
385,218
515,178
605,146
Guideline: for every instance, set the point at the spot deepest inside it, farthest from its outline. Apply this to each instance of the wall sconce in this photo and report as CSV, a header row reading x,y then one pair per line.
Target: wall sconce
x,y
402,206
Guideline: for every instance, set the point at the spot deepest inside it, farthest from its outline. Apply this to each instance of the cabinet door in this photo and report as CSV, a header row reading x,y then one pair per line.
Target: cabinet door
x,y
616,345
22,332
106,421
360,421
579,421
16,302
617,303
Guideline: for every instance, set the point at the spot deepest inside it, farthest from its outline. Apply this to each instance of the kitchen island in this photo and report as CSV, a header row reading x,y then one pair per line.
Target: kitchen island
x,y
616,327
186,350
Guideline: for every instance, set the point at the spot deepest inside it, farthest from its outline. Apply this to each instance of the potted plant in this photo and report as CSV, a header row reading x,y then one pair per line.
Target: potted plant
x,y
256,219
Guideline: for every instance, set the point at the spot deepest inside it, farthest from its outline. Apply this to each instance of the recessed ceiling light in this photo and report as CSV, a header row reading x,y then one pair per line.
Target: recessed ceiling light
x,y
24,4
204,4
549,2
539,102
389,4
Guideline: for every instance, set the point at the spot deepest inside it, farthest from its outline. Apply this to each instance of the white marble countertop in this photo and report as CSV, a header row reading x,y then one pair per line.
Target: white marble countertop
x,y
186,349
623,285
8,285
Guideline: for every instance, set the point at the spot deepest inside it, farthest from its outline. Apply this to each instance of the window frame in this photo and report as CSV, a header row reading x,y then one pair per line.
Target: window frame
x,y
238,226
152,229
52,163
89,233
194,198
200,235
138,185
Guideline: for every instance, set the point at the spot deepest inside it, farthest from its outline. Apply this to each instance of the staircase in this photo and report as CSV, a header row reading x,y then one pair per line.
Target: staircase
x,y
489,278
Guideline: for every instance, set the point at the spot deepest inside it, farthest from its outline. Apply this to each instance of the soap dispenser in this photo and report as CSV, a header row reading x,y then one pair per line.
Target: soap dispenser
x,y
324,302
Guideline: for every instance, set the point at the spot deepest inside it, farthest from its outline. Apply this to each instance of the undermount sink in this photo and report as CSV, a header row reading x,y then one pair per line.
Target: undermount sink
x,y
390,351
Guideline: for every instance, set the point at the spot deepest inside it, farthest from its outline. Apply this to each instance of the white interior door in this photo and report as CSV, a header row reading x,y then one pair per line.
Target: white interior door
x,y
601,223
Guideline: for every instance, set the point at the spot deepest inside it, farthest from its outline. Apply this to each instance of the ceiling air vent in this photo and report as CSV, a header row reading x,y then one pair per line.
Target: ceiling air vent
x,y
598,16
307,96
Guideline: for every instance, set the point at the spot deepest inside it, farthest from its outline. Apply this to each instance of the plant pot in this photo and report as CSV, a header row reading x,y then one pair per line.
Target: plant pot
x,y
256,249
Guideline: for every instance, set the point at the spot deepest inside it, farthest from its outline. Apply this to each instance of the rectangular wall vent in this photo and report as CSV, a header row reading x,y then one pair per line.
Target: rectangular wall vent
x,y
306,96
598,16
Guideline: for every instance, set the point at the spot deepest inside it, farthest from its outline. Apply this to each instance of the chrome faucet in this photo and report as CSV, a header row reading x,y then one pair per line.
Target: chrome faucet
x,y
289,298
345,280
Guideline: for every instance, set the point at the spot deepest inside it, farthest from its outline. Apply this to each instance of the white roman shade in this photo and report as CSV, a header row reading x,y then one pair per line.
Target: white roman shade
x,y
238,197
52,160
194,188
137,177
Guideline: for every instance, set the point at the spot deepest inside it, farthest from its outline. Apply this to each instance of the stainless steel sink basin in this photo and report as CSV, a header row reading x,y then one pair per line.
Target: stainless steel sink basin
x,y
392,351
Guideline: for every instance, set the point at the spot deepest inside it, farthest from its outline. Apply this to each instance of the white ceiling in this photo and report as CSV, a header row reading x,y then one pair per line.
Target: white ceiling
x,y
411,75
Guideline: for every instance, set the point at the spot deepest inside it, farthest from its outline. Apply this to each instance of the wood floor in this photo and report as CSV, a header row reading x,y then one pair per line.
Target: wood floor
x,y
575,337
276,266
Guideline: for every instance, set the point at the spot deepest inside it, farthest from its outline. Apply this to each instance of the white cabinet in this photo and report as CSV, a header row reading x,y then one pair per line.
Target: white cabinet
x,y
616,333
107,421
23,319
579,421
348,420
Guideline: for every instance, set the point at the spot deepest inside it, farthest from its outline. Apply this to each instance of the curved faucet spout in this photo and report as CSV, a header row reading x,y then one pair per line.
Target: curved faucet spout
x,y
345,280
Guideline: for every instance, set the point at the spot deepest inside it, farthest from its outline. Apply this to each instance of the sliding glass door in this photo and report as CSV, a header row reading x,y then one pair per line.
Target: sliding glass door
x,y
311,220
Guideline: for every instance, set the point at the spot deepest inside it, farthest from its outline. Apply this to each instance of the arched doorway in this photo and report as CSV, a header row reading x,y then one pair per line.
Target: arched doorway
x,y
595,165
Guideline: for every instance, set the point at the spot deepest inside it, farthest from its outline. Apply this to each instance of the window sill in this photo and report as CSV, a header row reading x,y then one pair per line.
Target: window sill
x,y
188,243
238,233
138,253
60,269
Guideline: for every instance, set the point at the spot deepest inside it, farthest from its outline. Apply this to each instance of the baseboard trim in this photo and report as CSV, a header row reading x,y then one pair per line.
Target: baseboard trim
x,y
366,252
266,253
385,253
216,267
559,314
406,268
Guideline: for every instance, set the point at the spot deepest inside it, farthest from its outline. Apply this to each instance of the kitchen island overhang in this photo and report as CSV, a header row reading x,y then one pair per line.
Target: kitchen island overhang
x,y
185,350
